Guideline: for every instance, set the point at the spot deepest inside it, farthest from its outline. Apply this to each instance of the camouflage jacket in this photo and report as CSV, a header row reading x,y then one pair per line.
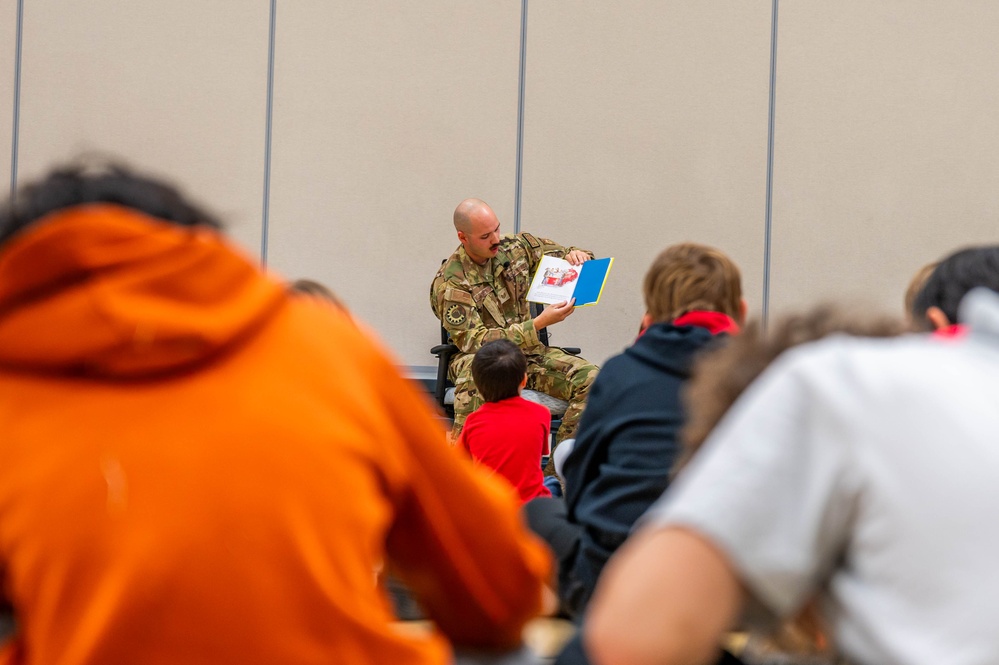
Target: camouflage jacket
x,y
478,304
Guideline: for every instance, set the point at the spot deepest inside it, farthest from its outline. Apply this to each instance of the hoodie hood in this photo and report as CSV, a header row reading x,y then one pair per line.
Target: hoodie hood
x,y
715,322
105,290
670,347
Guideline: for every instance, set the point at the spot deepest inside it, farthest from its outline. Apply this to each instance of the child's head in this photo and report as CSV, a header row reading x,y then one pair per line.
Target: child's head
x,y
935,306
688,277
499,369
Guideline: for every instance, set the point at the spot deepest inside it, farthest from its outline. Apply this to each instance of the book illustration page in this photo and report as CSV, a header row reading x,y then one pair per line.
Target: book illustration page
x,y
554,281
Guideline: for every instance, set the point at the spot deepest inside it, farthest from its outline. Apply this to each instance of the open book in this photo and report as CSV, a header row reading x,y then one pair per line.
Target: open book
x,y
557,280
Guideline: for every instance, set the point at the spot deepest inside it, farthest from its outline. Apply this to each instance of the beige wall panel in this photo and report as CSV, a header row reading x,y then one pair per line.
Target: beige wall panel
x,y
8,33
887,146
646,125
176,88
387,115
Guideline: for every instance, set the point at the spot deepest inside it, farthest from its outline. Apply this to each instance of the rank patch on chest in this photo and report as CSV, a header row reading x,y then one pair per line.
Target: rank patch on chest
x,y
455,314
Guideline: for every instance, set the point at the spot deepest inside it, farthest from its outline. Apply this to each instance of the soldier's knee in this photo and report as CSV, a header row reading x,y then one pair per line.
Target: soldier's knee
x,y
460,367
464,403
584,376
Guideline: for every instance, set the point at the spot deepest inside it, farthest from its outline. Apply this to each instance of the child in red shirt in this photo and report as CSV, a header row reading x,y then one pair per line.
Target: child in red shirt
x,y
507,434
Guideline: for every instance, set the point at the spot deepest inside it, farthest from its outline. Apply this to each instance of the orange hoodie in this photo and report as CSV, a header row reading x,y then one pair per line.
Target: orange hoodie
x,y
195,468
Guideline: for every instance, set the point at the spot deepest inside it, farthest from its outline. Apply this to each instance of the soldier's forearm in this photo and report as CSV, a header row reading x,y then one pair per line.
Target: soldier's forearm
x,y
524,335
541,321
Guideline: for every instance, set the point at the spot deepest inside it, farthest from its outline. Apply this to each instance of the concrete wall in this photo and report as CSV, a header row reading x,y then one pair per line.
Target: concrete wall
x,y
645,124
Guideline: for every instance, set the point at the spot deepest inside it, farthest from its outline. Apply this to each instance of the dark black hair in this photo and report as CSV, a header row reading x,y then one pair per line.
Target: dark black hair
x,y
102,182
953,278
497,370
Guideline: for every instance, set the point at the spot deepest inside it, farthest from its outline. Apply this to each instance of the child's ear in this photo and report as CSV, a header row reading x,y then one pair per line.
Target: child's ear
x,y
743,309
523,382
937,317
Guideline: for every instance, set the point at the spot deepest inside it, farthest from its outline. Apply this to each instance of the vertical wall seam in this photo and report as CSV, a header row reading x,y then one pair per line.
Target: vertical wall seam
x,y
770,167
518,177
16,129
265,219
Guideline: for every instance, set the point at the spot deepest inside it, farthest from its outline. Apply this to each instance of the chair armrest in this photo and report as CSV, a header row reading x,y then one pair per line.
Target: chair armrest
x,y
571,350
443,349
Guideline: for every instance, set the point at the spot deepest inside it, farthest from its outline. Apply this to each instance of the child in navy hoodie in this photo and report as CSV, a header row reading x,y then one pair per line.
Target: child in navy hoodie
x,y
628,438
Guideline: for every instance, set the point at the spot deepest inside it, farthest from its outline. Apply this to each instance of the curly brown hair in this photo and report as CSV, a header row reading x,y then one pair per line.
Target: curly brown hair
x,y
720,377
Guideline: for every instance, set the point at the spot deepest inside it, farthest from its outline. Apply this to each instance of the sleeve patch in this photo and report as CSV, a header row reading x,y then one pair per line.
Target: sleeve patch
x,y
457,295
455,314
531,240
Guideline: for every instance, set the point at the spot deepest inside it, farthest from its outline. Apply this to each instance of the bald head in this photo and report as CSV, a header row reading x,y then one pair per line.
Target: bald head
x,y
478,229
468,210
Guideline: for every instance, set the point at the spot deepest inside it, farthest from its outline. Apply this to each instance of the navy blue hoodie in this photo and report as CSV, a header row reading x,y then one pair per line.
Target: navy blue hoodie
x,y
628,440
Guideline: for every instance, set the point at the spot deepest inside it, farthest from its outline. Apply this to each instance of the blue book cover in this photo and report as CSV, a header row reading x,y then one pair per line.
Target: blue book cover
x,y
557,280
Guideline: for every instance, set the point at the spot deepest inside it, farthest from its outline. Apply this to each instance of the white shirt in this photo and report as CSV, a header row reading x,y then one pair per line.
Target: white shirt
x,y
865,472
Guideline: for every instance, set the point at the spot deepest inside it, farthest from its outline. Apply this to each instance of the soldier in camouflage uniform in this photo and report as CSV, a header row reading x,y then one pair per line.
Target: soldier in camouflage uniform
x,y
479,294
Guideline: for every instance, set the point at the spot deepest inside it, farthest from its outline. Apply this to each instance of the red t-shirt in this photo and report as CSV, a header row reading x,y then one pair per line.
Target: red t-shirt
x,y
509,437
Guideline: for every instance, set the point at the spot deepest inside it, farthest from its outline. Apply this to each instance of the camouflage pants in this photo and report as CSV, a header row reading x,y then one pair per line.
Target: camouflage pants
x,y
554,372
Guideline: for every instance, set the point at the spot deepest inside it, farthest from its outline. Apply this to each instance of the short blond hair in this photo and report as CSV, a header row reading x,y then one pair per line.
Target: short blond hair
x,y
688,277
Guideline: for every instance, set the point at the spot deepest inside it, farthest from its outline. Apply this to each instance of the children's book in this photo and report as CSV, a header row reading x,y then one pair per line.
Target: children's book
x,y
557,280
